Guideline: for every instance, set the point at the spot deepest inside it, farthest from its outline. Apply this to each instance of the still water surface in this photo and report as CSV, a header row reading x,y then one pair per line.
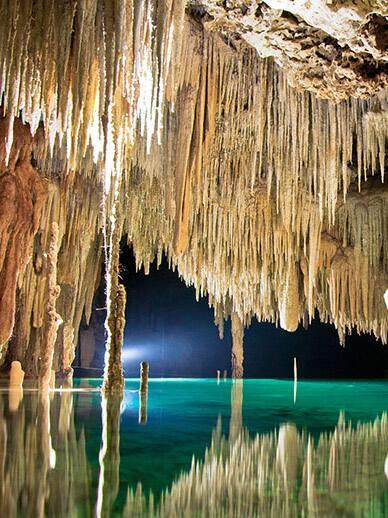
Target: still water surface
x,y
196,448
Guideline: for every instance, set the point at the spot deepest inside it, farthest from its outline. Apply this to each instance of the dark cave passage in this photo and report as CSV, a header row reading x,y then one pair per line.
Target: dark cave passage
x,y
167,327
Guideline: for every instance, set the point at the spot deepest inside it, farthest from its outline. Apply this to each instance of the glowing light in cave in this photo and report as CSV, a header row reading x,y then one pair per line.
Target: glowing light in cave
x,y
134,353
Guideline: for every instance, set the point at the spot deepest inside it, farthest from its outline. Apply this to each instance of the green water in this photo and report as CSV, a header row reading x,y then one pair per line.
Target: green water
x,y
181,416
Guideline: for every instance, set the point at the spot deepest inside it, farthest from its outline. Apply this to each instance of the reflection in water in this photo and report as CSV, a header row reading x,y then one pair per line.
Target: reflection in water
x,y
44,469
108,484
281,474
37,480
143,398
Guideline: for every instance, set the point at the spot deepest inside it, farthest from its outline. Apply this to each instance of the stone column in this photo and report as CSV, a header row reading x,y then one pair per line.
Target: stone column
x,y
53,319
237,347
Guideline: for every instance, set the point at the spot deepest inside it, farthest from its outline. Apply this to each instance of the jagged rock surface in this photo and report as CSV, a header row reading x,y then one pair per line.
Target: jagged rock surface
x,y
335,49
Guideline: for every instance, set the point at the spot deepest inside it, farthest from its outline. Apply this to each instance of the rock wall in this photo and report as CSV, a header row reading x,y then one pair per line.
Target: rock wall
x,y
335,49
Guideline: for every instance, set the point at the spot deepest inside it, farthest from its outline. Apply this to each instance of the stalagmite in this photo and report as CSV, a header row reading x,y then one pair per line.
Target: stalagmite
x,y
295,379
144,372
16,375
52,379
237,347
53,319
143,392
16,378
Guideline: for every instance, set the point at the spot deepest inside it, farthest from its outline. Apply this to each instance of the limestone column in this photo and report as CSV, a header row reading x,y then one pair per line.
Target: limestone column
x,y
53,319
115,318
143,392
237,346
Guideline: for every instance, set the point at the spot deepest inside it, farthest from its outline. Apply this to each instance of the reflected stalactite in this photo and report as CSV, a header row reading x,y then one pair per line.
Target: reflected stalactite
x,y
71,497
278,474
108,482
287,454
236,409
44,470
37,466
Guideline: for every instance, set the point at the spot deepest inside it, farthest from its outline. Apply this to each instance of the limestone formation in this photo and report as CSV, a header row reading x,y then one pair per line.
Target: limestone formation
x,y
144,370
16,375
245,141
115,313
279,474
237,346
109,476
53,319
335,49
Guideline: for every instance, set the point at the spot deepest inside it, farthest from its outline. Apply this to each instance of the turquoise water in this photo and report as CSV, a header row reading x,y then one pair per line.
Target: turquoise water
x,y
181,416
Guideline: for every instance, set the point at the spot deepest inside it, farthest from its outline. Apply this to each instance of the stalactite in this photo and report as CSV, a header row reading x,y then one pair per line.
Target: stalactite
x,y
259,206
74,204
53,319
237,346
289,300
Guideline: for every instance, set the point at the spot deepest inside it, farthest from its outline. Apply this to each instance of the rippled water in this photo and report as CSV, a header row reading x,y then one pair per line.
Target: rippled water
x,y
196,448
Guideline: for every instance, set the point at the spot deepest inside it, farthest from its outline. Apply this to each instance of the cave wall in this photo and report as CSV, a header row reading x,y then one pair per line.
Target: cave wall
x,y
266,198
32,200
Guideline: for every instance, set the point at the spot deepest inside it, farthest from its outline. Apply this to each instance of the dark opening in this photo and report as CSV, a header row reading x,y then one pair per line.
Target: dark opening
x,y
167,327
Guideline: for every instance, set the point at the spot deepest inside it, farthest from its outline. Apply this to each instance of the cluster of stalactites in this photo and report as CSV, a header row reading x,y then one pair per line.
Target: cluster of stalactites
x,y
227,169
92,72
248,178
